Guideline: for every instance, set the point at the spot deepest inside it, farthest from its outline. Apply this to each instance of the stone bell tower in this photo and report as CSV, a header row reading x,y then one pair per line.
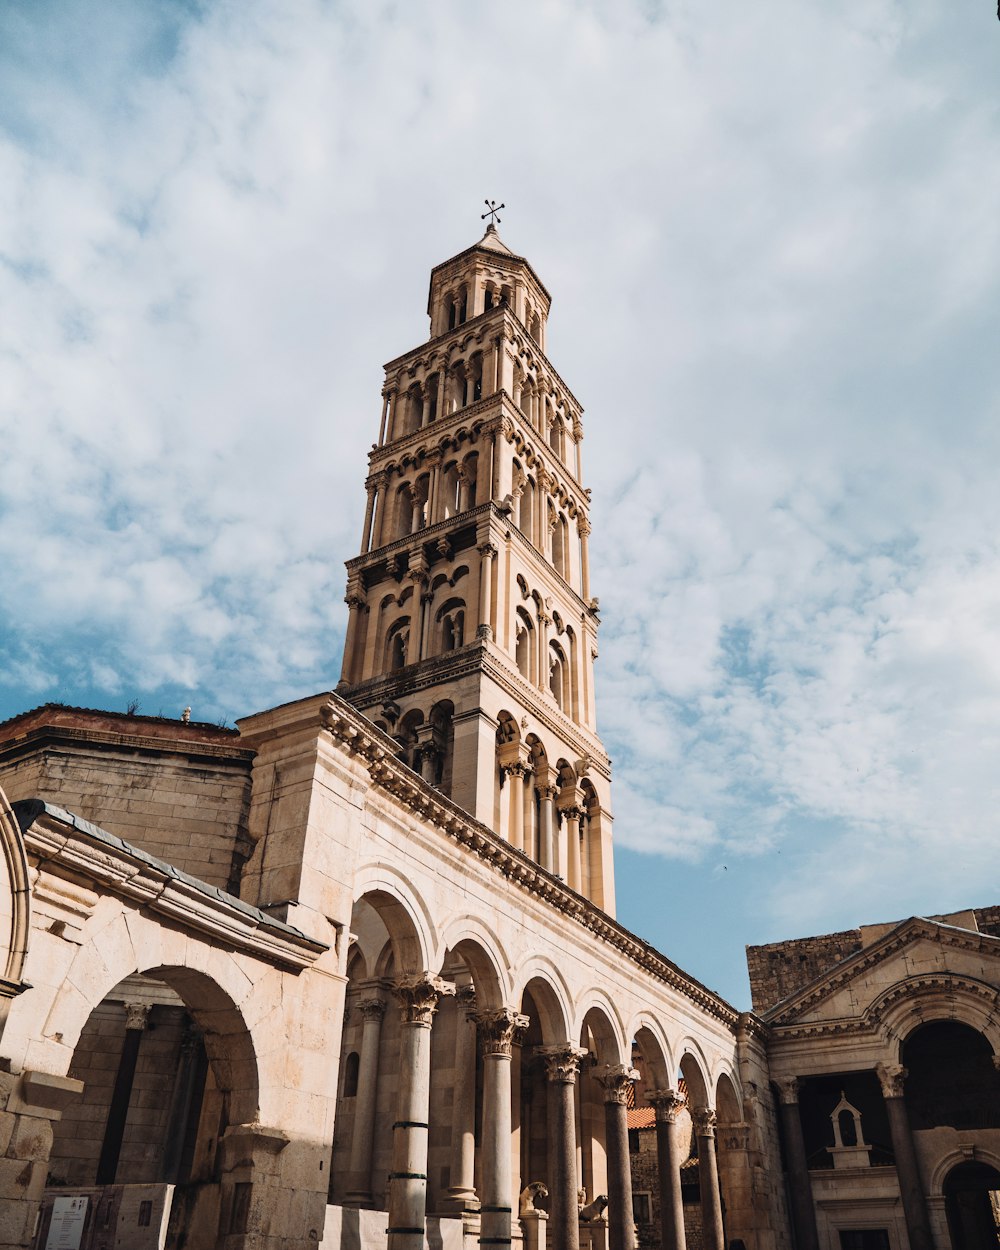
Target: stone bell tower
x,y
472,632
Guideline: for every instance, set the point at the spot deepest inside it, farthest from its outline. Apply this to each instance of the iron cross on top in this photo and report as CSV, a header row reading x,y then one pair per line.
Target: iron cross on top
x,y
494,211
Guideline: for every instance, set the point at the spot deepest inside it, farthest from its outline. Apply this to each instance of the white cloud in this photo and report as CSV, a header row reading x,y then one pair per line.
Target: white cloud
x,y
772,236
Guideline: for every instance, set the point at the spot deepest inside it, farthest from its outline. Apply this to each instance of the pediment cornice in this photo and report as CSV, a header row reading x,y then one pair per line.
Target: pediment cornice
x,y
906,934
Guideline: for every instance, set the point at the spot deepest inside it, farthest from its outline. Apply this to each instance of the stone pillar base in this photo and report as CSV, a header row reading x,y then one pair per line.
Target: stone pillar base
x,y
533,1224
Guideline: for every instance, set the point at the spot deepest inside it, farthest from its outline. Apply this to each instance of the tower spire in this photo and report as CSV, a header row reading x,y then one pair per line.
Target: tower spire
x,y
472,631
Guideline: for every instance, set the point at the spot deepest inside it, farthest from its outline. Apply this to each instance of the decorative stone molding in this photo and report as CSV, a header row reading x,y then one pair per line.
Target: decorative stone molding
x,y
617,1080
372,1008
704,1119
418,997
562,1063
668,1104
488,551
498,1030
891,1077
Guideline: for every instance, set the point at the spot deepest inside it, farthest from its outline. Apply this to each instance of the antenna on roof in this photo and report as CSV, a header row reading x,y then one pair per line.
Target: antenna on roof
x,y
494,211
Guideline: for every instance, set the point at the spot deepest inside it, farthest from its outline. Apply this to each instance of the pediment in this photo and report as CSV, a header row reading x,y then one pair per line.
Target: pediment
x,y
915,956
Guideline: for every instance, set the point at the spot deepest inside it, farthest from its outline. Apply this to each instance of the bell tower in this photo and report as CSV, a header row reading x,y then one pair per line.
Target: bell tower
x,y
472,633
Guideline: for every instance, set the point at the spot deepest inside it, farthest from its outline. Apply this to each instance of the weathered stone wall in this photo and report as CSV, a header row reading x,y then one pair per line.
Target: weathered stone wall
x,y
178,791
780,968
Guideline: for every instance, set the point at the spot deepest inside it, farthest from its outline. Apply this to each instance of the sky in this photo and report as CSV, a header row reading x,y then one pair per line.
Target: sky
x,y
772,236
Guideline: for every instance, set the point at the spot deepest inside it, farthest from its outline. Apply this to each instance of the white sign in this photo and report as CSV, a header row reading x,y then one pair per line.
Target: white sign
x,y
69,1215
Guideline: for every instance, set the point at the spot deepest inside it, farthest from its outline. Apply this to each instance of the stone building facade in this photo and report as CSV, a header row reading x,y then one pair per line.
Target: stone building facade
x,y
882,1047
350,975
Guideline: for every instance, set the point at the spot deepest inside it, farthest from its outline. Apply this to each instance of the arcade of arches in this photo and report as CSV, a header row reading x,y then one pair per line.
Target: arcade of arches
x,y
350,975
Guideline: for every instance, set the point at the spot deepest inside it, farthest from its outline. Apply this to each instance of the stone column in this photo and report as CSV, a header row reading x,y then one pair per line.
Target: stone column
x,y
359,1177
379,535
355,609
800,1191
418,996
528,815
891,1077
708,1175
669,1157
429,754
136,1018
562,1063
385,414
583,526
461,1194
516,774
546,826
617,1080
420,601
572,815
487,554
543,651
497,1030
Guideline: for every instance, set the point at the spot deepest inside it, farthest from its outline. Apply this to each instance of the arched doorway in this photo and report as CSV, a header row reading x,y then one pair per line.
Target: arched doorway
x,y
972,1205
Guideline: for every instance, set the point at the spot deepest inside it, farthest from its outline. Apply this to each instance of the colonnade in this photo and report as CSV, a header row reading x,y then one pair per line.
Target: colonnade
x,y
498,1032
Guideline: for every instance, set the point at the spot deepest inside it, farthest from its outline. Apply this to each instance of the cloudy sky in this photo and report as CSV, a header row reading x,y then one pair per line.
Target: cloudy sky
x,y
772,234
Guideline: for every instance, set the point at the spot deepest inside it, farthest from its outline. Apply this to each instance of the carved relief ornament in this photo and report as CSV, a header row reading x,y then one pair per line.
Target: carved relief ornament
x,y
372,1008
704,1121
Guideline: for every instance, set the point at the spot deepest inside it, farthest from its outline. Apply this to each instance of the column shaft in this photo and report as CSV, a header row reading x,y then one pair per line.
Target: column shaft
x,y
617,1079
911,1189
708,1174
498,1030
800,1195
359,1182
562,1065
461,1192
408,1178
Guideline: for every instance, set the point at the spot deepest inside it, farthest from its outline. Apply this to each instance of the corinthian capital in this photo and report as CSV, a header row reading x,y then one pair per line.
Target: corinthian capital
x,y
562,1063
617,1079
704,1121
668,1103
371,1008
498,1030
418,997
891,1077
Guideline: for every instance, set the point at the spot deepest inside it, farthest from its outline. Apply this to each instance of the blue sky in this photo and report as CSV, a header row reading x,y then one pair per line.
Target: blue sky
x,y
772,234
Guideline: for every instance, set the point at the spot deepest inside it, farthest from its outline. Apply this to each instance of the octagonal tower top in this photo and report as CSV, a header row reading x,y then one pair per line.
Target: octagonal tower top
x,y
481,278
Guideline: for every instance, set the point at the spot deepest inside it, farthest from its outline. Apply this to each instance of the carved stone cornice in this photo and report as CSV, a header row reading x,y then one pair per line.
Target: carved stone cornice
x,y
891,1077
669,1103
498,1031
617,1080
562,1063
418,997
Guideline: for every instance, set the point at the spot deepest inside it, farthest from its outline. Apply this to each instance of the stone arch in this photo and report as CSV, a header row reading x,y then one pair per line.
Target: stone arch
x,y
598,1015
952,1159
545,984
404,913
652,1043
15,898
694,1068
917,1000
728,1104
484,954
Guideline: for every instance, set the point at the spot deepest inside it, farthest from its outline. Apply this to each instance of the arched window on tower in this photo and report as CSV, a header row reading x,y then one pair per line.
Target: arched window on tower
x,y
524,644
451,625
450,490
431,386
396,642
559,675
